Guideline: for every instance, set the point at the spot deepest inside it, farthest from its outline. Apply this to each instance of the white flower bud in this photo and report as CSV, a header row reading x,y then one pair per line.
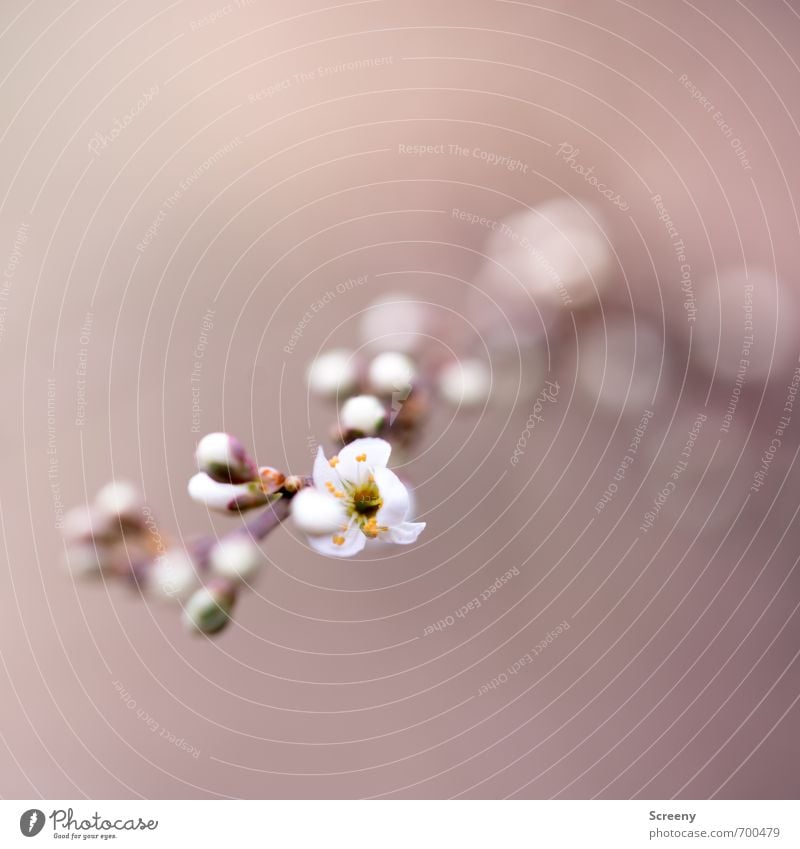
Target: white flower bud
x,y
332,373
391,372
209,609
223,458
172,575
225,497
362,413
317,514
237,558
466,383
120,499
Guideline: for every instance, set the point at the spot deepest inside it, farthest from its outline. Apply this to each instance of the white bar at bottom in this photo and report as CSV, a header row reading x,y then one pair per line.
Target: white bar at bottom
x,y
402,824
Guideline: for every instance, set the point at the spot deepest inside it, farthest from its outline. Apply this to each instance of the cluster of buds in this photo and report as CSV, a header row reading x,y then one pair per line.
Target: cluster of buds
x,y
350,501
387,393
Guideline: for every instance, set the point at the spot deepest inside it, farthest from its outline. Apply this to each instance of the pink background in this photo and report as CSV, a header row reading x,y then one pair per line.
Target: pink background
x,y
678,674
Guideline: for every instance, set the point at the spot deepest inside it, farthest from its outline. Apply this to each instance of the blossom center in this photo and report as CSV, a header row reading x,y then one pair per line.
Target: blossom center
x,y
366,499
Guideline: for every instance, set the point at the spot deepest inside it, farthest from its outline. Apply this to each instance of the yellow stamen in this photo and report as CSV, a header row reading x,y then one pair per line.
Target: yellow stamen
x,y
337,540
361,458
333,462
371,528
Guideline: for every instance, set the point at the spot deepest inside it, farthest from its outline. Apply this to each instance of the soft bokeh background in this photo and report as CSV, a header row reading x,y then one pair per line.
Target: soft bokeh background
x,y
273,170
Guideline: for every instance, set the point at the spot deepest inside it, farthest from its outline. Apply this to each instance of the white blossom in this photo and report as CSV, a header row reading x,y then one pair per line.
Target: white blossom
x,y
374,500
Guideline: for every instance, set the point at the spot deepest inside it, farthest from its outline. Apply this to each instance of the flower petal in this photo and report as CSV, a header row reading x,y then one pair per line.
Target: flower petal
x,y
394,495
324,473
354,541
376,450
225,497
406,533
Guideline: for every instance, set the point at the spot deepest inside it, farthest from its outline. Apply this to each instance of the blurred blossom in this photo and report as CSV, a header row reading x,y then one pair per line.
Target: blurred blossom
x,y
396,322
332,373
746,326
466,382
557,251
622,361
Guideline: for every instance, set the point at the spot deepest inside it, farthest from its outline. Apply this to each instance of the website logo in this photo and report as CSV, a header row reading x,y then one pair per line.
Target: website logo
x,y
31,822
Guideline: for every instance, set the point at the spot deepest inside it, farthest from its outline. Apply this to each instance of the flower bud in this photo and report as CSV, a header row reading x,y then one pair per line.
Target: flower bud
x,y
226,497
121,500
391,372
271,479
363,414
332,373
466,383
223,458
317,514
173,575
237,558
208,610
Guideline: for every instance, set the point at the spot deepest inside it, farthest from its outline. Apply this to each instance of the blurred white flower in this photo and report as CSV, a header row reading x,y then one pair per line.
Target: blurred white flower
x,y
172,575
236,557
363,414
466,382
332,373
374,501
391,372
119,499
